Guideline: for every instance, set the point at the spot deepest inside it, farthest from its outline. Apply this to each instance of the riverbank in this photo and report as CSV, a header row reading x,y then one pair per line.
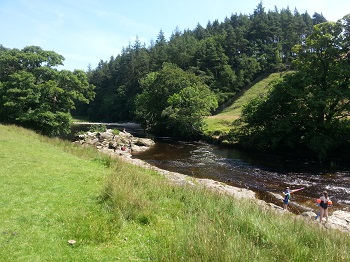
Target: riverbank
x,y
62,202
338,219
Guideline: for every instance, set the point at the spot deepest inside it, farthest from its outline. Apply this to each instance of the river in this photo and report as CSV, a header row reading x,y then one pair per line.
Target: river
x,y
259,172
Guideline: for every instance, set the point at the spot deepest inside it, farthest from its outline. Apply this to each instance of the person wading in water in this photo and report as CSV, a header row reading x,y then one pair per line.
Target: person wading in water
x,y
287,193
286,198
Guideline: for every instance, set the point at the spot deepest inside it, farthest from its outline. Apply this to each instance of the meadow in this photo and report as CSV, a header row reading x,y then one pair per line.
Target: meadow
x,y
54,191
221,123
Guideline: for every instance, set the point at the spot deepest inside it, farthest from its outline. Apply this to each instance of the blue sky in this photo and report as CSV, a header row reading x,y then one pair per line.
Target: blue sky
x,y
87,31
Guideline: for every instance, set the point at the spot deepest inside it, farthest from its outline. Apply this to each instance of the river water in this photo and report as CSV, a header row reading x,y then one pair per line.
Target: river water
x,y
259,172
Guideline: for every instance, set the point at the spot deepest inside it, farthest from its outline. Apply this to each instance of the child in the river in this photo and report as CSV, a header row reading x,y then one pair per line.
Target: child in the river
x,y
286,198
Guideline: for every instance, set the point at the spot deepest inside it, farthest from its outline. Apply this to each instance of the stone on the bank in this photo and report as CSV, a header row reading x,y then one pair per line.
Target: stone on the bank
x,y
144,142
309,214
111,143
106,135
340,220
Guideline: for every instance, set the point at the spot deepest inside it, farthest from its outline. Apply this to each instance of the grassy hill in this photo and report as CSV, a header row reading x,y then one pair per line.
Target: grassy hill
x,y
53,191
221,123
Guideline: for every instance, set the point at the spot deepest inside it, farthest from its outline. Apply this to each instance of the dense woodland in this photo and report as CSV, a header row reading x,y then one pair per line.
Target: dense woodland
x,y
172,84
227,56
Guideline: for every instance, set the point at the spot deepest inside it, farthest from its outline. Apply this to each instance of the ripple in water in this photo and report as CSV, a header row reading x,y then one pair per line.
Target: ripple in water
x,y
258,172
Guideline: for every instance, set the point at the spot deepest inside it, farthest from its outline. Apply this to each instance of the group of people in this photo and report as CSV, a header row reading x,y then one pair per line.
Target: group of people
x,y
323,202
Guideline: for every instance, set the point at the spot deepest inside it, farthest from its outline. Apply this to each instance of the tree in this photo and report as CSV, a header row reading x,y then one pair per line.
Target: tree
x,y
35,95
174,101
310,108
182,48
318,18
259,32
187,108
159,52
200,32
227,56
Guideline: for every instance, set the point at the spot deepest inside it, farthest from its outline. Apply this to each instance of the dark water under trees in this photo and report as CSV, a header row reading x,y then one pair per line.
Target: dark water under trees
x,y
261,173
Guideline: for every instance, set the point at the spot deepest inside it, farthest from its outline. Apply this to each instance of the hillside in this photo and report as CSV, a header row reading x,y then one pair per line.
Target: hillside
x,y
221,123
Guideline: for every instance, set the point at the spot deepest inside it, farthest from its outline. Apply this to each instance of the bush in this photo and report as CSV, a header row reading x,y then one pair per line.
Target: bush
x,y
115,132
98,128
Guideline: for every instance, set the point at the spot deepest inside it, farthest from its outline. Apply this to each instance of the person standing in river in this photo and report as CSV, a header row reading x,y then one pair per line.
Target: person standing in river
x,y
324,206
287,193
286,198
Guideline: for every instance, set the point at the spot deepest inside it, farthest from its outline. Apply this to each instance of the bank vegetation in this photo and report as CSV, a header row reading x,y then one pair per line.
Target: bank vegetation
x,y
54,191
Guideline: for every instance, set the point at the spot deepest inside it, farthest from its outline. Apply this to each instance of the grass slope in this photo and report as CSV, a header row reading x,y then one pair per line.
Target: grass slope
x,y
53,191
221,123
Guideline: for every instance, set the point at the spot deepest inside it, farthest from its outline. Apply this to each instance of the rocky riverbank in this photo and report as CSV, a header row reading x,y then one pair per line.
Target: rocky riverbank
x,y
122,145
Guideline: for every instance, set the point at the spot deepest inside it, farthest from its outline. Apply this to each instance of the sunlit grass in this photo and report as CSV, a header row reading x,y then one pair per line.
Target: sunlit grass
x,y
53,191
221,123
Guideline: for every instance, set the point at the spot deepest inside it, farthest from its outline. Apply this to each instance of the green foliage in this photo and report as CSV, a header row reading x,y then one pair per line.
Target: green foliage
x,y
182,48
187,108
117,83
174,101
310,108
80,132
35,95
46,122
115,131
98,128
219,125
226,55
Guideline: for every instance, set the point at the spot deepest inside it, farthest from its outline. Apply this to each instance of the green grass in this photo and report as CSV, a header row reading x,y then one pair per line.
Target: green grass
x,y
221,123
53,191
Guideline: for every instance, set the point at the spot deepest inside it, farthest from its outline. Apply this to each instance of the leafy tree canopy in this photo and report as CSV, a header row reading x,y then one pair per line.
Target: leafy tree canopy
x,y
35,95
174,100
310,108
227,55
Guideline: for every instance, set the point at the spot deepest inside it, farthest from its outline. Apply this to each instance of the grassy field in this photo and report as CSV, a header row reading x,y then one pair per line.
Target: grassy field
x,y
221,123
53,191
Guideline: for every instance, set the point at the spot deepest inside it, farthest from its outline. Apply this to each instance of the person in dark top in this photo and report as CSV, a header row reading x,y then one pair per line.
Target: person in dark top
x,y
324,206
286,198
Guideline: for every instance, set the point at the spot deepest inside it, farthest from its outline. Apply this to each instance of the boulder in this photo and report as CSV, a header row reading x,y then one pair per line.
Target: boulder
x,y
106,135
309,214
340,220
143,142
123,144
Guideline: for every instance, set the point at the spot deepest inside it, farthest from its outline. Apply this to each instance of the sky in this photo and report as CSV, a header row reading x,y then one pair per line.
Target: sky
x,y
87,31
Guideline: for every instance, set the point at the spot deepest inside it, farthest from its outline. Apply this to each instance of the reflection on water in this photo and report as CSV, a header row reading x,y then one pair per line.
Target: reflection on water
x,y
258,172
